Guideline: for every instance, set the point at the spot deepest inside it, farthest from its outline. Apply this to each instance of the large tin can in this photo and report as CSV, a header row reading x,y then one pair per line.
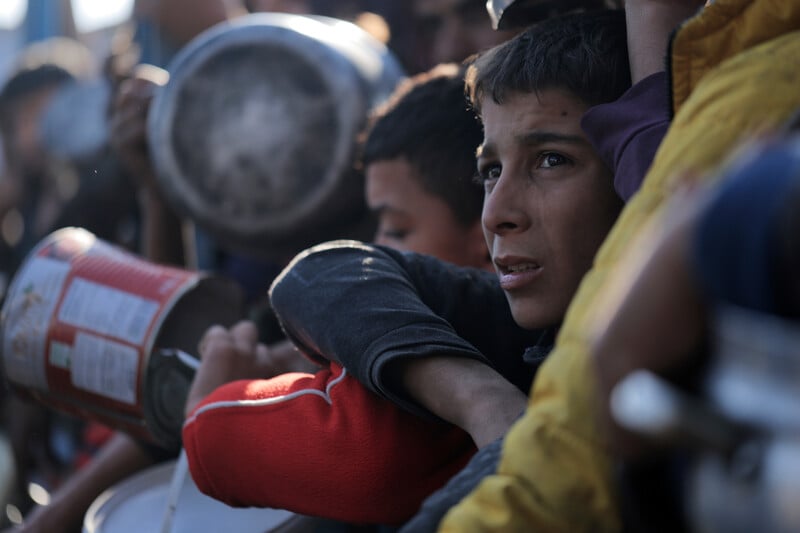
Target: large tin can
x,y
92,330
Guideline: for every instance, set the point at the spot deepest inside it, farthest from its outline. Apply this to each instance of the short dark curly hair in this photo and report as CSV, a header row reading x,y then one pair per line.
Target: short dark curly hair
x,y
429,122
584,53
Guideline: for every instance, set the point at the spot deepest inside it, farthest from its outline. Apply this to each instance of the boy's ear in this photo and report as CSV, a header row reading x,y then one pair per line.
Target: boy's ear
x,y
476,247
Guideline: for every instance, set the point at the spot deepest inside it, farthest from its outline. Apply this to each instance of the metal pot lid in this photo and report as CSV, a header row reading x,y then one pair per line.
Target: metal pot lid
x,y
254,135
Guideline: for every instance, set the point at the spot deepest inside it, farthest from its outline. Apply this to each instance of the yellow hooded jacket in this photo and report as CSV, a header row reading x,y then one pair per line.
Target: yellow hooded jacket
x,y
735,73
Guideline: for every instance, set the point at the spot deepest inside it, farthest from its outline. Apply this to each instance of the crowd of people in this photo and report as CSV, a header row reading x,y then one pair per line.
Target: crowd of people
x,y
559,206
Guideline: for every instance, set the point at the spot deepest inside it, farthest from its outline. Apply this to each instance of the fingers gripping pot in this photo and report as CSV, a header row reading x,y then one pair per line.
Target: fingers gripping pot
x,y
254,135
92,330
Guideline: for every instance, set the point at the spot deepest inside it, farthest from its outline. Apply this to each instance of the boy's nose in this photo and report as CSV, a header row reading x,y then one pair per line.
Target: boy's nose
x,y
503,207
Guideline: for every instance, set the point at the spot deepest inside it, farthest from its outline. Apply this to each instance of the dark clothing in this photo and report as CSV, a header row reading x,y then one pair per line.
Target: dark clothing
x,y
737,250
482,464
627,132
366,306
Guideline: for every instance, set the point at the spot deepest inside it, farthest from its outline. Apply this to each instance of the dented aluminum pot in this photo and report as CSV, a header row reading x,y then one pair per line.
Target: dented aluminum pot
x,y
254,136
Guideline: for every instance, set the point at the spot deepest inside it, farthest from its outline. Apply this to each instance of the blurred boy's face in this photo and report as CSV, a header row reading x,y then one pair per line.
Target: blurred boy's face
x,y
455,29
412,219
549,201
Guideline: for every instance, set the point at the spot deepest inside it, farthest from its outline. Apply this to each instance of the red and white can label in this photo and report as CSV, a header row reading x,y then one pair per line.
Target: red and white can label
x,y
82,317
27,314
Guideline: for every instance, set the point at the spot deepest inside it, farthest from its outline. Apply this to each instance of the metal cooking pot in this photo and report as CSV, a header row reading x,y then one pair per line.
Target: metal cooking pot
x,y
740,439
254,136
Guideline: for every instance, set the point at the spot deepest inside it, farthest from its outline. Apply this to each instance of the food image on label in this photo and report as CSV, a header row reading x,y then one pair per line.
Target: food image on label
x,y
105,367
106,310
26,316
60,354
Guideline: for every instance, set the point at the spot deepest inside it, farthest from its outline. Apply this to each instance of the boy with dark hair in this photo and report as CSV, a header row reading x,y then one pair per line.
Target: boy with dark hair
x,y
440,341
419,160
580,55
557,471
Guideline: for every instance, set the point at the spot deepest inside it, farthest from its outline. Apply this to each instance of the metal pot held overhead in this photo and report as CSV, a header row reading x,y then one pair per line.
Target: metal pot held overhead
x,y
254,136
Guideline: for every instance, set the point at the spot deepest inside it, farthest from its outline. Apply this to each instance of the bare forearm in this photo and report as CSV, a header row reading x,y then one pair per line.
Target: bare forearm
x,y
162,231
466,393
650,23
283,357
229,355
118,459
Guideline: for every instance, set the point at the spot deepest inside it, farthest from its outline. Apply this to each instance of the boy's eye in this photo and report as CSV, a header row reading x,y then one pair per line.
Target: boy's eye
x,y
552,159
390,232
396,234
490,172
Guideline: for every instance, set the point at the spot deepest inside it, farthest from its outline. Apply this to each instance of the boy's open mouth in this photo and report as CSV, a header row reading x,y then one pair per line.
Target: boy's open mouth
x,y
523,267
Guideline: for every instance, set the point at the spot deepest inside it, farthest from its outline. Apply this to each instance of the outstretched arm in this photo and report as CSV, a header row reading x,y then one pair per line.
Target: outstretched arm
x,y
376,310
627,132
650,24
230,354
162,238
120,457
464,392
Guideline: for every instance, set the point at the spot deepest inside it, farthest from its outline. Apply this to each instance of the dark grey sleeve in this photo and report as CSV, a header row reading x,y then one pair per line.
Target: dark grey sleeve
x,y
365,306
482,464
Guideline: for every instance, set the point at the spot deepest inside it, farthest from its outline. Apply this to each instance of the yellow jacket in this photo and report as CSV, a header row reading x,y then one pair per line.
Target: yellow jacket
x,y
735,71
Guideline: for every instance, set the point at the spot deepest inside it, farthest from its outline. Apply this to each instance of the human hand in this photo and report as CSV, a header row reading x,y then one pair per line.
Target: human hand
x,y
650,24
225,355
128,123
230,354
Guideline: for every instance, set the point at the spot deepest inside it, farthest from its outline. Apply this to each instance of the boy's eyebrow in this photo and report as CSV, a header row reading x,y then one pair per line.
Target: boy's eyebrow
x,y
385,208
534,138
543,137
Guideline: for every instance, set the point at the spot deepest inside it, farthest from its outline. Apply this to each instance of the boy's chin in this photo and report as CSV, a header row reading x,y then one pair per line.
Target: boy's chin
x,y
532,318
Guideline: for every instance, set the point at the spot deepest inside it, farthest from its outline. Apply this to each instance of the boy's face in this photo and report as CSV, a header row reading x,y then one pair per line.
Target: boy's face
x,y
549,201
412,219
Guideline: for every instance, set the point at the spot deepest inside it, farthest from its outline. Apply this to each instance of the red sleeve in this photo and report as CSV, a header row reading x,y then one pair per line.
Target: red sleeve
x,y
320,445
